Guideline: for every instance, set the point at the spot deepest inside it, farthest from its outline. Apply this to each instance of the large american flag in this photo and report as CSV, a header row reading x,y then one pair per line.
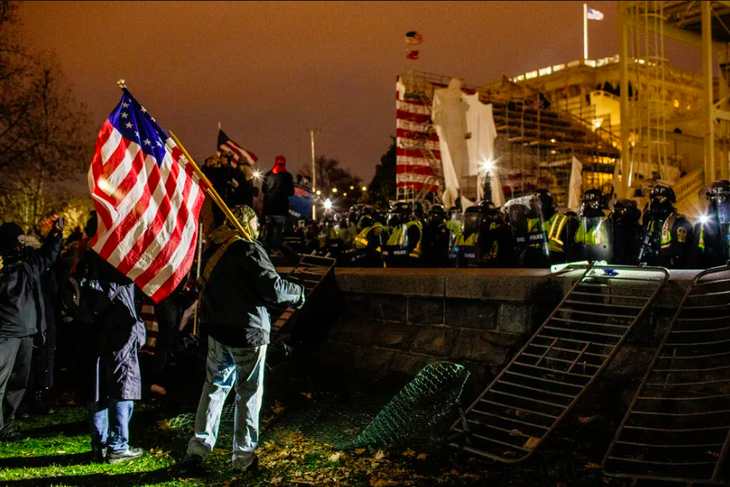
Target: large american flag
x,y
147,198
226,145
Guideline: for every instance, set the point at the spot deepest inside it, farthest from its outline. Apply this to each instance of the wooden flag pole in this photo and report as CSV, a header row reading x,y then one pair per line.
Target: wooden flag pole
x,y
210,190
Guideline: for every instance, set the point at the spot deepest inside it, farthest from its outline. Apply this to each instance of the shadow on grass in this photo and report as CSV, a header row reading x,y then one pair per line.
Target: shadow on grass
x,y
100,479
38,462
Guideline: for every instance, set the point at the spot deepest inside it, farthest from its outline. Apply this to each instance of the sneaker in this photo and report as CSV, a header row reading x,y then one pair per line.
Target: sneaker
x,y
191,464
124,456
252,467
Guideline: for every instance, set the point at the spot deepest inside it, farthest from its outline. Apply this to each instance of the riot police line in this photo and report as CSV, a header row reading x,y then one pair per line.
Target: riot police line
x,y
528,231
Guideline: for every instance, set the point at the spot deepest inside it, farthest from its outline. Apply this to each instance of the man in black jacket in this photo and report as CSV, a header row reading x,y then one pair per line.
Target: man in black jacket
x,y
21,314
278,185
239,280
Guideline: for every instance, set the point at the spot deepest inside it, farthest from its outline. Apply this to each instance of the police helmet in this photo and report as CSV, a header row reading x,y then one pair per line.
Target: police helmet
x,y
719,188
663,194
365,222
546,200
593,203
625,211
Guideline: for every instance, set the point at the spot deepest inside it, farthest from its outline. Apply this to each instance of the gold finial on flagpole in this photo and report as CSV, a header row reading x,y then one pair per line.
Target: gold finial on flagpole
x,y
121,83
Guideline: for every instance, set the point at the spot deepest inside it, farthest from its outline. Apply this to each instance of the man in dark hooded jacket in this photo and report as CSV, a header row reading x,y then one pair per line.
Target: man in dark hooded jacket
x,y
22,309
239,281
278,185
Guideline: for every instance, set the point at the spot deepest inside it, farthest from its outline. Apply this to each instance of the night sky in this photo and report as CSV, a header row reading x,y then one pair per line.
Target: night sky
x,y
269,70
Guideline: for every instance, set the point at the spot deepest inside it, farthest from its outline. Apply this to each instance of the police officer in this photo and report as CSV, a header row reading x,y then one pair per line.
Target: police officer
x,y
594,233
467,242
367,246
334,243
667,234
436,238
556,231
711,245
455,225
403,248
495,239
627,232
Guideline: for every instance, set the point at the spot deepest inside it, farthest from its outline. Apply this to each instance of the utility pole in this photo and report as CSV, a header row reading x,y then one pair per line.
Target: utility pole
x,y
313,135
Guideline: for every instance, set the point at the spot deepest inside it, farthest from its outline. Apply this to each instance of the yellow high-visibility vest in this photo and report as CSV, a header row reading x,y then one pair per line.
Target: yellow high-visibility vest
x,y
597,235
553,228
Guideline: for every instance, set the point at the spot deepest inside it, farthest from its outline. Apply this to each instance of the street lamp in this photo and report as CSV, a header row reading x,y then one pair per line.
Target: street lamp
x,y
364,188
327,204
334,190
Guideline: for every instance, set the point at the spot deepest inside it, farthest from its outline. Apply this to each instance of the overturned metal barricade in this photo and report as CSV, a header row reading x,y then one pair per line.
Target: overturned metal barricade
x,y
547,377
310,271
677,427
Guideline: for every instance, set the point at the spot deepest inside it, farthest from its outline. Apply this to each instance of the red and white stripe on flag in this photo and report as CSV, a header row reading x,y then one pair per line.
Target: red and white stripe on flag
x,y
148,199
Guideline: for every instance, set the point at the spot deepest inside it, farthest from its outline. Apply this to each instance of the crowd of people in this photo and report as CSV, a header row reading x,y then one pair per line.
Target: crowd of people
x,y
60,296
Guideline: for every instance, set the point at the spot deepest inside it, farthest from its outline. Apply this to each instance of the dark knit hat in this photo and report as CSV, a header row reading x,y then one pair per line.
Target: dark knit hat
x,y
9,233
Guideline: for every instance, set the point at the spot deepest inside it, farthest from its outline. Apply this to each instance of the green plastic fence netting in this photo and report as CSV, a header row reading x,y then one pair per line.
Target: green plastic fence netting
x,y
418,416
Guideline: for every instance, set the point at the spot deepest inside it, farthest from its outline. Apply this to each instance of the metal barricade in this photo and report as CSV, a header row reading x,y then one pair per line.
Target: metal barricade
x,y
548,376
677,427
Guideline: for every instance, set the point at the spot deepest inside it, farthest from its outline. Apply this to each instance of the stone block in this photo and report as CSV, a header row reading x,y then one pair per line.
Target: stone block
x,y
514,318
495,284
375,363
473,346
393,335
405,366
426,311
502,339
470,313
354,304
389,308
434,340
405,282
355,330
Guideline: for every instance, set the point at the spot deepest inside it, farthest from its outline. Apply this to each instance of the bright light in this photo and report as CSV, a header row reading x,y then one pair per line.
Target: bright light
x,y
598,122
552,141
344,194
257,174
319,192
327,204
364,188
334,190
704,219
487,165
352,187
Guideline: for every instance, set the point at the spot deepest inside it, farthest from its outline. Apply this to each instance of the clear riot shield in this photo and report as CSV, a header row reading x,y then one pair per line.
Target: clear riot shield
x,y
594,239
456,227
528,231
467,243
722,203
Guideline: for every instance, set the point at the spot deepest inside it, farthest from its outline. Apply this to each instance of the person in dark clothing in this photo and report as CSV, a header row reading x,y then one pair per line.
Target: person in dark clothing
x,y
22,308
111,378
239,281
278,185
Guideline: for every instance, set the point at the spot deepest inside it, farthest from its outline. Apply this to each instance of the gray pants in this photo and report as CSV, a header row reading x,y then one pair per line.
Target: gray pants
x,y
228,367
15,356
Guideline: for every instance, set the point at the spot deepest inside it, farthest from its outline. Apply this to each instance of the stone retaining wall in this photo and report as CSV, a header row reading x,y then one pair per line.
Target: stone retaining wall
x,y
392,322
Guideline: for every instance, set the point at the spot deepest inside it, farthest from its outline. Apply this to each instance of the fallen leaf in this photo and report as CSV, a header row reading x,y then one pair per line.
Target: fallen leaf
x,y
379,455
308,395
278,408
531,443
592,465
60,451
378,482
360,451
421,456
335,457
409,453
454,472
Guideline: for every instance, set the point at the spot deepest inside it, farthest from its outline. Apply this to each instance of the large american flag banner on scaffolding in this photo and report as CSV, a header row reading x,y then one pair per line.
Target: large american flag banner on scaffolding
x,y
147,199
417,144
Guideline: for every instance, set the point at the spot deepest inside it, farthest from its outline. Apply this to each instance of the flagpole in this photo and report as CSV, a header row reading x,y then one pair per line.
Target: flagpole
x,y
210,190
585,31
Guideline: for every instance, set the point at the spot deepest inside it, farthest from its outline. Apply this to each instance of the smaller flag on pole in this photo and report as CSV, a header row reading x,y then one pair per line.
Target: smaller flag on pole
x,y
593,14
413,37
226,145
413,55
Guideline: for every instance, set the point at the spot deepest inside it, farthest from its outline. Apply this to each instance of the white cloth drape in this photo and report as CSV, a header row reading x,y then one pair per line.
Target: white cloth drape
x,y
575,190
449,117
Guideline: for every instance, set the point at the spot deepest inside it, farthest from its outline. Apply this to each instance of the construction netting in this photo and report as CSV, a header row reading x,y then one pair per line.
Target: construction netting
x,y
418,416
